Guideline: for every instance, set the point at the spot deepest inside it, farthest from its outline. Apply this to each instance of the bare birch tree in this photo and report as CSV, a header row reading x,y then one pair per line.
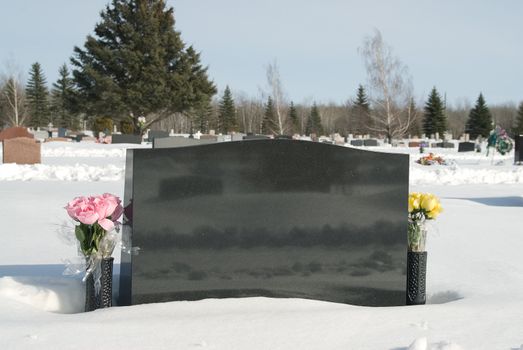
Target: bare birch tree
x,y
390,88
276,91
13,100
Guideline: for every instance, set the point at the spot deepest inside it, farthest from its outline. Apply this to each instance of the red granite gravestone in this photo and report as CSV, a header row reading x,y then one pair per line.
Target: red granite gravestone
x,y
17,131
21,150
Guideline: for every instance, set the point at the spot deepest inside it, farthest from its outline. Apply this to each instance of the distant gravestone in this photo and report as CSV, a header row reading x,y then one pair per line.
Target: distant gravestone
x,y
14,132
518,149
466,147
21,150
414,144
126,138
41,135
176,141
357,142
370,142
62,132
274,218
156,134
213,138
444,145
237,137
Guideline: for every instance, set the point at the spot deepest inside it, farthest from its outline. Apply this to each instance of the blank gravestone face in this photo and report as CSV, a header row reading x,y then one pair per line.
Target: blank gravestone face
x,y
276,218
21,150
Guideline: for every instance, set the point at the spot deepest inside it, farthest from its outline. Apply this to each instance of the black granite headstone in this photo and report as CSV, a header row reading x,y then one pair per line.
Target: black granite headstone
x,y
357,142
370,142
518,149
126,138
156,134
466,147
445,144
275,218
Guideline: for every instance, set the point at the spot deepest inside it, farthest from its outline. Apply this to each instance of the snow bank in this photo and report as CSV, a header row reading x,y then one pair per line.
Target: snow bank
x,y
44,172
65,295
456,175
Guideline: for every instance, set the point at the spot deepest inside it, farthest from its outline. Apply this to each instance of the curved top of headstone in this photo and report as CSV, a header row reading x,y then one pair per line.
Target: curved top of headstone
x,y
16,131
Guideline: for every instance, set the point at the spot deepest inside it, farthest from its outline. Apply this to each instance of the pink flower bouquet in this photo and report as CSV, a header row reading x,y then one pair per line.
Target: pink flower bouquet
x,y
96,216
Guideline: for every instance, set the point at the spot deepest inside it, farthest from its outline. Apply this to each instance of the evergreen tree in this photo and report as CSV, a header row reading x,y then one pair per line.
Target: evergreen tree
x,y
227,113
62,100
480,119
269,118
137,65
204,114
413,115
434,118
314,122
361,119
518,130
293,118
37,97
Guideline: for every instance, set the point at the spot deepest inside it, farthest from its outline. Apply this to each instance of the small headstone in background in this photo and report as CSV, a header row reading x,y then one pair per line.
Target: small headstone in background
x,y
356,142
88,139
62,132
14,132
126,138
466,147
370,142
445,144
21,150
41,135
414,144
209,137
237,137
156,133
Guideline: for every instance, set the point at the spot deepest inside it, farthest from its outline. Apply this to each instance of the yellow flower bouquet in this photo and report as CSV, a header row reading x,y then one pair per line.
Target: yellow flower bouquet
x,y
422,207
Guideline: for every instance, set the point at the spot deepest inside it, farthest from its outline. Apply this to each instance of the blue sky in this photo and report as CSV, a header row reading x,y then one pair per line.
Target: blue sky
x,y
461,47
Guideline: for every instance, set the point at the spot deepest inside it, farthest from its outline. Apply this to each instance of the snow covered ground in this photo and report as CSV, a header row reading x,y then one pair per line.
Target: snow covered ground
x,y
475,271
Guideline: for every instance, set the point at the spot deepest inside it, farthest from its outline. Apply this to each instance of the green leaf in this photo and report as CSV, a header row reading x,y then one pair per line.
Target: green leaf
x,y
79,233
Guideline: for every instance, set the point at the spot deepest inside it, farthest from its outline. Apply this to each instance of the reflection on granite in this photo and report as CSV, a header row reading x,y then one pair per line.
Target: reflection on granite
x,y
277,218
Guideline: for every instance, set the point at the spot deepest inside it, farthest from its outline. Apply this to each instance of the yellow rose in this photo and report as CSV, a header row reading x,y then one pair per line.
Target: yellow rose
x,y
414,202
428,202
435,212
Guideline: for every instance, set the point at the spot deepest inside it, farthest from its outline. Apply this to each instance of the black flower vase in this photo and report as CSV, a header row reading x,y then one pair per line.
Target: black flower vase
x,y
416,277
106,281
90,295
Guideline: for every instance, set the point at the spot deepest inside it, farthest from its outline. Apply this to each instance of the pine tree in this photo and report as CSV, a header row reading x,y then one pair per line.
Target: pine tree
x,y
413,115
37,97
293,118
203,117
227,113
518,130
314,122
269,118
434,118
361,118
137,65
62,100
480,119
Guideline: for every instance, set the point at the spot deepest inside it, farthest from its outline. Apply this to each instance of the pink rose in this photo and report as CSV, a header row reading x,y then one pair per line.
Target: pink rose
x,y
86,213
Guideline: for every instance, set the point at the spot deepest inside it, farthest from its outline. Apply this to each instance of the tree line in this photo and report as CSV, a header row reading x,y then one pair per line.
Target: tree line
x,y
137,65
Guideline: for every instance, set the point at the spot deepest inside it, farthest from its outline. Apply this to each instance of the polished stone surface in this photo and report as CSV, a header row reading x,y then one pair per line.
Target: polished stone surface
x,y
276,218
518,149
466,146
126,138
